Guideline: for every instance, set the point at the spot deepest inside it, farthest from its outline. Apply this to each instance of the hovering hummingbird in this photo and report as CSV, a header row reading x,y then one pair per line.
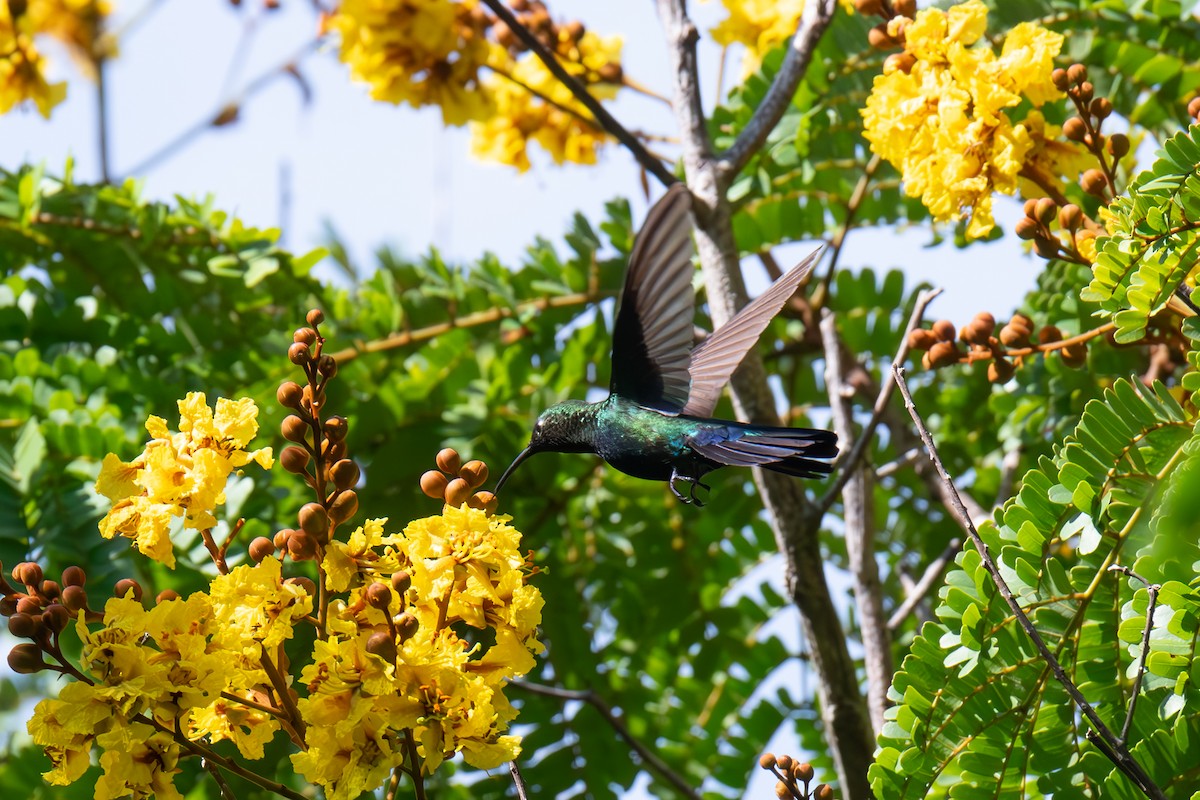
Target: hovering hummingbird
x,y
655,422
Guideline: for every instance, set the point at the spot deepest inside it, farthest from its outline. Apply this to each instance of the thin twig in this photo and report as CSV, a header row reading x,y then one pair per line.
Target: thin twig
x,y
812,25
892,467
651,760
102,119
1113,747
1152,589
218,778
845,466
929,578
606,120
286,701
518,781
418,778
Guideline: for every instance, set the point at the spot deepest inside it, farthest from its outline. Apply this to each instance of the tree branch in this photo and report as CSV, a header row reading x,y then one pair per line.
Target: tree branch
x,y
929,578
859,516
589,697
813,22
518,781
1107,742
605,119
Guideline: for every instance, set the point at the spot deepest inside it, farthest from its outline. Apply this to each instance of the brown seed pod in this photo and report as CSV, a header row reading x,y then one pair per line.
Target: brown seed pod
x,y
1045,210
1118,144
1000,370
299,354
921,339
448,461
1026,228
433,484
293,428
1077,74
315,317
261,548
1070,216
1074,129
289,394
457,492
1049,335
345,473
484,500
474,473
1093,182
74,576
943,354
294,459
943,329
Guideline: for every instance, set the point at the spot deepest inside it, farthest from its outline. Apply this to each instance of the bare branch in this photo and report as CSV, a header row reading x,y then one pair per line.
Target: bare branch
x,y
518,781
651,760
813,22
929,578
605,119
846,465
1108,743
1152,589
859,517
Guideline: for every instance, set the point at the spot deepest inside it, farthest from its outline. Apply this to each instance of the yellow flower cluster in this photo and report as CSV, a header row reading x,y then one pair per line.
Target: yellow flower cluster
x,y
76,23
759,25
531,105
420,52
180,475
393,663
151,672
942,122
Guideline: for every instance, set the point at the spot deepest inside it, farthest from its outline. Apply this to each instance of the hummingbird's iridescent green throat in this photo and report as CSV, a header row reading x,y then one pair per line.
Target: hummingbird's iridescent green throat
x,y
655,422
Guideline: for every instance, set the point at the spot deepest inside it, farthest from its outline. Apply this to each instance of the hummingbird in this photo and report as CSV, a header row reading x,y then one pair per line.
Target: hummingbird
x,y
655,424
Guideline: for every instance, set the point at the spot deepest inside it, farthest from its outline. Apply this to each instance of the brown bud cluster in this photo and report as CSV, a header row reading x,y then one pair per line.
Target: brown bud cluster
x,y
1042,213
794,778
1015,340
1086,129
889,34
562,38
456,483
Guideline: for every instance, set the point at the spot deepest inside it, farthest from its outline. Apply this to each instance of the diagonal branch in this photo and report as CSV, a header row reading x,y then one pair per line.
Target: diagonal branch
x,y
589,697
1101,736
813,22
605,119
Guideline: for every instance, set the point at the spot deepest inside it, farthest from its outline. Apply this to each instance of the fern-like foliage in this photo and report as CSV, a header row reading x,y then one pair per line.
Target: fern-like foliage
x,y
1154,239
976,705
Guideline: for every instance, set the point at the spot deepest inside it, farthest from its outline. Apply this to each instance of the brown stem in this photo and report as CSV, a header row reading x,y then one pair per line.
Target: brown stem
x,y
930,578
1113,747
518,781
284,693
1152,589
418,778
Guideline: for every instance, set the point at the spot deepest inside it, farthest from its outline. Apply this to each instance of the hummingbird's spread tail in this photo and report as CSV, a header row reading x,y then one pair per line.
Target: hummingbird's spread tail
x,y
791,451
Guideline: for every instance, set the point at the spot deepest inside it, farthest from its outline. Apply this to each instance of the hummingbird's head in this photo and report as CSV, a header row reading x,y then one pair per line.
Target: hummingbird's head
x,y
559,429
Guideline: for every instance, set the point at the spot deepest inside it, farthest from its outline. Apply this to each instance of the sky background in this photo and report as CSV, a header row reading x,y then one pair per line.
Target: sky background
x,y
382,174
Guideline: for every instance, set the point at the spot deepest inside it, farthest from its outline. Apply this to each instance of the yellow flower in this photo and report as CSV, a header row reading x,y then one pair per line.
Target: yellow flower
x,y
420,52
77,24
179,475
760,25
21,68
255,609
944,123
66,729
138,761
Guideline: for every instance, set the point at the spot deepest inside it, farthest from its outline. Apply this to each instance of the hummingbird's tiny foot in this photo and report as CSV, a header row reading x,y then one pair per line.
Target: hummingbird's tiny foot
x,y
702,485
675,489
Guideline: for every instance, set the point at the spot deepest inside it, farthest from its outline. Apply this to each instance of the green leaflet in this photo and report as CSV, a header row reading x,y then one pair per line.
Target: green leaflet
x,y
1153,242
975,702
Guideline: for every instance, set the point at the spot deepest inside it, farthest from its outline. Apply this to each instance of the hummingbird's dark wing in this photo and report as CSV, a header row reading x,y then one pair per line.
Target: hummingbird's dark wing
x,y
652,335
792,451
715,359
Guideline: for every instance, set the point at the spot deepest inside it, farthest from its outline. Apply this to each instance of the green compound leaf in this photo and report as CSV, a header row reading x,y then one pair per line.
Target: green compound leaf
x,y
1154,239
977,708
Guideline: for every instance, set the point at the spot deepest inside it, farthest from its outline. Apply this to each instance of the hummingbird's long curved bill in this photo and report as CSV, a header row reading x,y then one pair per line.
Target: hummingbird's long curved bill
x,y
521,456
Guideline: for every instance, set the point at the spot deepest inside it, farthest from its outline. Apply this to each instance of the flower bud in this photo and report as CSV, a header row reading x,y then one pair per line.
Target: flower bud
x,y
166,596
1000,370
56,617
803,771
8,606
766,760
401,582
280,539
294,459
127,585
1086,90
406,626
485,501
1011,336
1074,129
336,429
1074,355
1101,107
305,336
345,473
24,626
1026,228
344,506
333,451
475,473
261,548
288,394
1049,335
1060,79
943,354
1077,73
383,645
905,8
943,329
921,339
26,659
301,546
457,492
315,317
293,428
1045,210
784,763
1118,145
782,790
899,62
29,605
74,576
379,595
50,590
1070,216
299,354
29,573
879,38
314,519
869,8
823,792
433,484
1193,108
1093,182
1046,246
305,584
74,597
448,461
327,366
